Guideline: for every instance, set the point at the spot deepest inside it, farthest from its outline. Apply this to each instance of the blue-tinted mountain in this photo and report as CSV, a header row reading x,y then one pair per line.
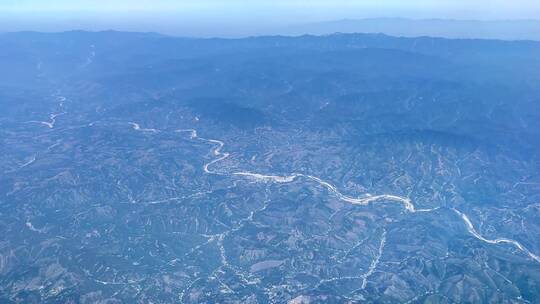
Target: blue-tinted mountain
x,y
346,168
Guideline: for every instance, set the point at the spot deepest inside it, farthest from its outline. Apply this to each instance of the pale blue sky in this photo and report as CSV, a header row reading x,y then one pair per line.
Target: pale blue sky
x,y
500,7
205,15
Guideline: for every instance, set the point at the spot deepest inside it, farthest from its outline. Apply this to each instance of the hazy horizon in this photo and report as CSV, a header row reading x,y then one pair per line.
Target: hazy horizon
x,y
237,17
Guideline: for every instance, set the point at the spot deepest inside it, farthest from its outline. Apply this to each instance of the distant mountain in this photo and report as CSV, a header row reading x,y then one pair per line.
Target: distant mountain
x,y
493,29
344,168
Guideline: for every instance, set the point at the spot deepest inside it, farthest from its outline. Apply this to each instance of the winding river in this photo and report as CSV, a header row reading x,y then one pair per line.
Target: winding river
x,y
406,202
